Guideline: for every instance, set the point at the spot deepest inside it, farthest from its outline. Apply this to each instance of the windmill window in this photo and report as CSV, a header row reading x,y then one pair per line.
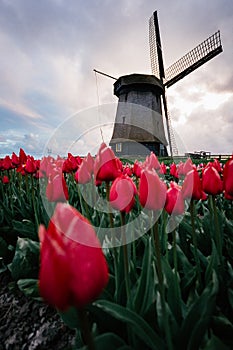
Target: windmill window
x,y
119,147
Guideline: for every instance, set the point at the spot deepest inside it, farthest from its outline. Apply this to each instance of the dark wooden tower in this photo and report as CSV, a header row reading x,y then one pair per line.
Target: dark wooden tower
x,y
139,127
138,116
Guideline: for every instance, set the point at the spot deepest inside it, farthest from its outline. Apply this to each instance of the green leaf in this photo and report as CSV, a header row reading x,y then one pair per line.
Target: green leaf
x,y
137,324
230,297
25,228
145,288
187,271
30,288
198,317
120,293
213,263
160,317
223,328
173,291
215,344
70,317
3,248
108,341
25,263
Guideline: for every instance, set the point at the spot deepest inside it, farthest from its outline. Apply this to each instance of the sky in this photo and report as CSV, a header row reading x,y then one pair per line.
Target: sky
x,y
52,101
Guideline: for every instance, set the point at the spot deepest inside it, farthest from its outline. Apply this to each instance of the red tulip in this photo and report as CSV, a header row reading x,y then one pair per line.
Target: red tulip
x,y
217,165
7,163
83,175
174,200
137,168
152,162
70,164
211,181
30,166
90,163
163,169
192,186
106,167
73,269
188,166
56,190
122,193
228,177
5,180
22,156
173,170
127,170
15,159
228,196
152,191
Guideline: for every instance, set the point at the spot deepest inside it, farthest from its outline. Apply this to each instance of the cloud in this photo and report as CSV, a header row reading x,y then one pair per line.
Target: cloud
x,y
50,47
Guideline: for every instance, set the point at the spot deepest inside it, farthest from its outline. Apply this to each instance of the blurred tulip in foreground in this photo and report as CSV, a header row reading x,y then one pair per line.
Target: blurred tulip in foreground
x,y
73,268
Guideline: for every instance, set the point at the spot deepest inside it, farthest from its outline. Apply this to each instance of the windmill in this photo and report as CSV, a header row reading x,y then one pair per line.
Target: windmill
x,y
135,125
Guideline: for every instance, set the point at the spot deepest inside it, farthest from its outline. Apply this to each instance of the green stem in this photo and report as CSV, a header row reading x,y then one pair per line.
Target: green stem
x,y
126,259
164,224
10,185
34,203
109,207
218,237
175,253
161,285
194,238
87,335
85,202
115,255
27,189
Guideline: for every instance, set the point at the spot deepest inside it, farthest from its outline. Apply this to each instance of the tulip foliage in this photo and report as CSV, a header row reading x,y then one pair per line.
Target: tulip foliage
x,y
133,254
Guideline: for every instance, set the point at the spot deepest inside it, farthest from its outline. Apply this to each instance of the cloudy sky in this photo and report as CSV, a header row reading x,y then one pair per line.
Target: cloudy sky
x,y
49,48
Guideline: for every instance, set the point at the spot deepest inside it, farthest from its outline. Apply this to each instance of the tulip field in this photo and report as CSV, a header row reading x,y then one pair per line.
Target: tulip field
x,y
131,254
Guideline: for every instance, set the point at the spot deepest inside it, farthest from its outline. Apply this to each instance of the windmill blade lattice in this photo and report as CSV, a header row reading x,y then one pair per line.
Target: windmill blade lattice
x,y
193,59
156,56
174,148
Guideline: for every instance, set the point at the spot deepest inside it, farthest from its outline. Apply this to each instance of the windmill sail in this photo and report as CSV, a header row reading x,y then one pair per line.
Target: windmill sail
x,y
193,59
156,56
157,68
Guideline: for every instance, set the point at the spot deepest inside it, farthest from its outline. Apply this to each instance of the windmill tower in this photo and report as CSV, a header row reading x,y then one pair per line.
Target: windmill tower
x,y
139,127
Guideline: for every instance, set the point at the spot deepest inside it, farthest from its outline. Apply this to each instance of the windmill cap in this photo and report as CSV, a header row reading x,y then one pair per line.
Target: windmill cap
x,y
139,82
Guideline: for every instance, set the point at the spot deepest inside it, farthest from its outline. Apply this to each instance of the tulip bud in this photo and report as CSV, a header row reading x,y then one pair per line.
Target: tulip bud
x,y
5,179
73,269
83,175
174,200
30,166
122,193
163,169
57,190
137,168
173,170
106,167
192,187
152,190
152,162
228,177
211,181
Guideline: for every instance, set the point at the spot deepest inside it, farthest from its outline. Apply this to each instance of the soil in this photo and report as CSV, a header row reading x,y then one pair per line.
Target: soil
x,y
26,324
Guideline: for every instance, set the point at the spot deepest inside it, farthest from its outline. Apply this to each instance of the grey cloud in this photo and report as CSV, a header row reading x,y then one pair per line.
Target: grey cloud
x,y
50,48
